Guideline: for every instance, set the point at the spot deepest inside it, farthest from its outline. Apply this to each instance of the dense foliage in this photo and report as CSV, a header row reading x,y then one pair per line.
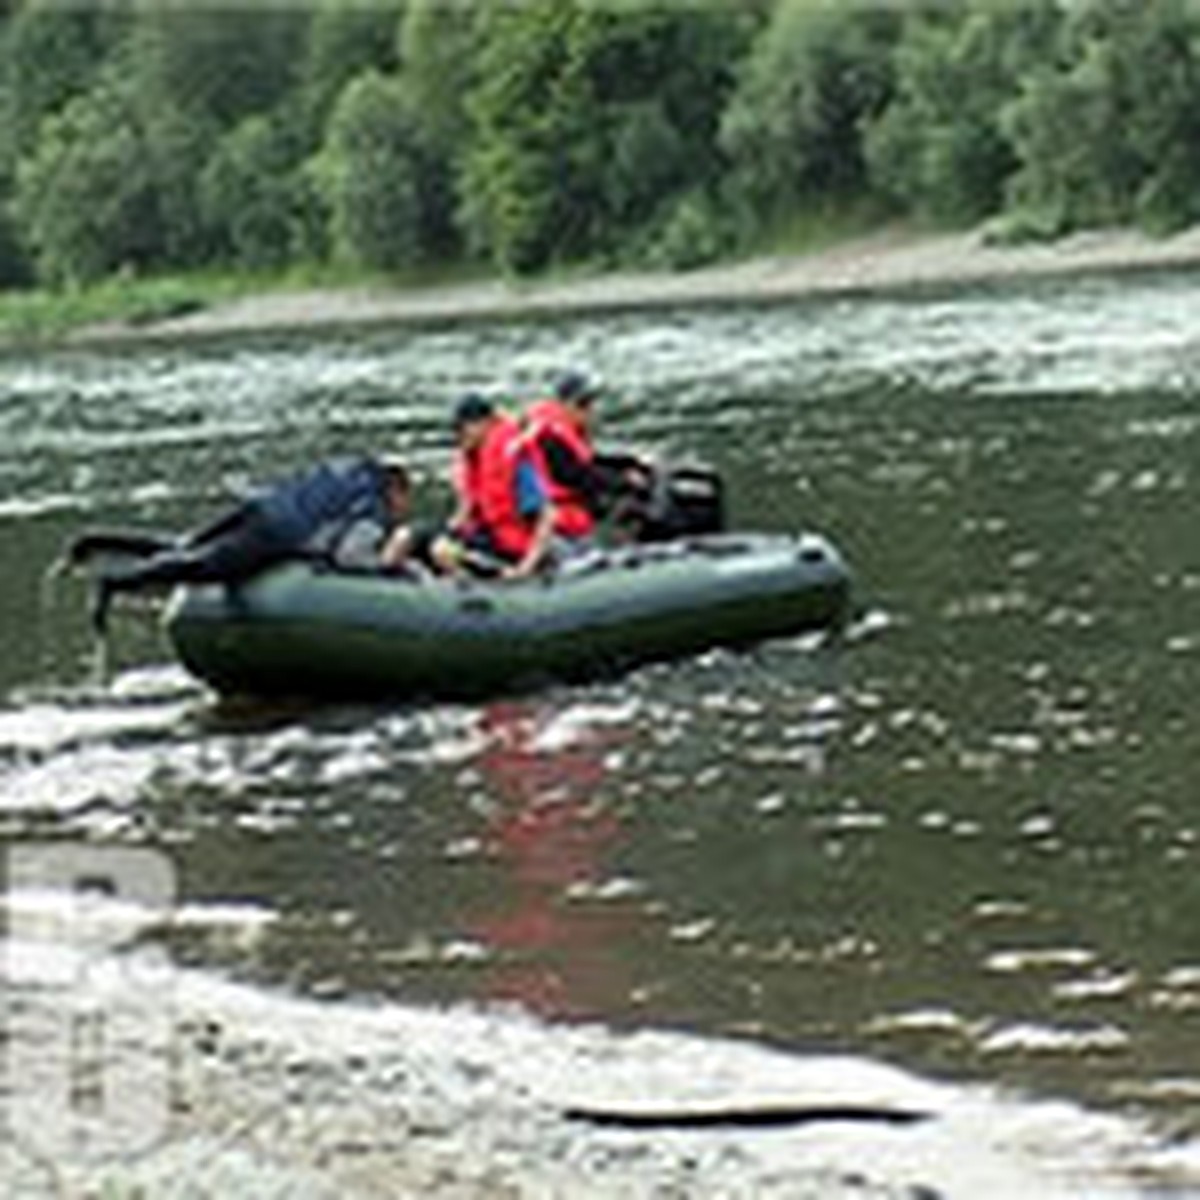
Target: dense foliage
x,y
140,136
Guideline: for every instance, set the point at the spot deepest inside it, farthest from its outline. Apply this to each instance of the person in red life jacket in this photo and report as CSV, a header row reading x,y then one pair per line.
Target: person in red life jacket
x,y
583,484
559,434
504,515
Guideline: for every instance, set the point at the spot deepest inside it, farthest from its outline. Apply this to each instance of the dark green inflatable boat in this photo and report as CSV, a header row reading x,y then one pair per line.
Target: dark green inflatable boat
x,y
304,630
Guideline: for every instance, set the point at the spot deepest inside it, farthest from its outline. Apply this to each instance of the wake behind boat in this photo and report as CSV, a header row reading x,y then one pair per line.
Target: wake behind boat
x,y
304,629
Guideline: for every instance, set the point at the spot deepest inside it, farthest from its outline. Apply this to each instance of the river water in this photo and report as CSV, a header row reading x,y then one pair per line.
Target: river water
x,y
965,840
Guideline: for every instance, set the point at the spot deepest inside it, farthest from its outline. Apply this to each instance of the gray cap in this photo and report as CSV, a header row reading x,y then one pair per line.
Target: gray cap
x,y
575,388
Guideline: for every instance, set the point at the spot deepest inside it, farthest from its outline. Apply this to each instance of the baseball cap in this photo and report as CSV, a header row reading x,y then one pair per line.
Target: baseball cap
x,y
575,388
471,407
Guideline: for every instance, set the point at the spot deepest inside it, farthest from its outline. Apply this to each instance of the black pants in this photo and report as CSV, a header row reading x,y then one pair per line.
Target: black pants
x,y
231,550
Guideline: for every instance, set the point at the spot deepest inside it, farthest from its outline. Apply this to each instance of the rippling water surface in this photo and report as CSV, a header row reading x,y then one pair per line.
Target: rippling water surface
x,y
965,840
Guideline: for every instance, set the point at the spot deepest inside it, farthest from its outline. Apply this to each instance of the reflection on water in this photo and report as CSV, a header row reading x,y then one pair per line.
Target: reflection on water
x,y
552,944
965,839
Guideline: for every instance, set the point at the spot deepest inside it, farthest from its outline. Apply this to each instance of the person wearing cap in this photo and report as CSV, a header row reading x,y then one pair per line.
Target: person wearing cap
x,y
504,515
317,512
583,484
559,435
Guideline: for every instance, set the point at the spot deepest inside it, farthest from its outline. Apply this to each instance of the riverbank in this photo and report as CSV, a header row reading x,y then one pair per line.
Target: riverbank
x,y
203,1088
890,260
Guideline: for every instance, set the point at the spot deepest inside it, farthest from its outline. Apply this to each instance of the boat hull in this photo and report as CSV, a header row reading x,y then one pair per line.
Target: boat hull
x,y
302,631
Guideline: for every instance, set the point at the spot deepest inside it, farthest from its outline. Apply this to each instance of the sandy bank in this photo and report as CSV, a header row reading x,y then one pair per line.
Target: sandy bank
x,y
885,261
130,1078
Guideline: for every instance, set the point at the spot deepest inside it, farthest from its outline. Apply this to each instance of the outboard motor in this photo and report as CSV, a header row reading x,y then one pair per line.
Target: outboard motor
x,y
685,500
669,501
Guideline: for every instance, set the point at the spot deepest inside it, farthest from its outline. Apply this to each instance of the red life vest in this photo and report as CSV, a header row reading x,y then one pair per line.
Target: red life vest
x,y
486,480
549,418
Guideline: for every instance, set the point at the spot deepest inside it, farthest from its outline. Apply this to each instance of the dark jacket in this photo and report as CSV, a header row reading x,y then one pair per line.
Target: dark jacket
x,y
310,510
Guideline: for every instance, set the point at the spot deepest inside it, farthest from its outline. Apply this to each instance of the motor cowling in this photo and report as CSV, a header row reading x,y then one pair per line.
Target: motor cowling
x,y
657,502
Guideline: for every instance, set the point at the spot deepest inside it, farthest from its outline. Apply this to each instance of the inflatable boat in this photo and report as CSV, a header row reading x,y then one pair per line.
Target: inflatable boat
x,y
303,629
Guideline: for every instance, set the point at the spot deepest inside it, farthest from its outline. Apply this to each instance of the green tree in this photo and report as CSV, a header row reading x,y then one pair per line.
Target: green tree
x,y
663,77
818,72
86,198
387,207
521,170
111,182
253,195
218,62
438,54
341,42
1107,131
511,204
49,53
438,47
589,122
941,146
113,178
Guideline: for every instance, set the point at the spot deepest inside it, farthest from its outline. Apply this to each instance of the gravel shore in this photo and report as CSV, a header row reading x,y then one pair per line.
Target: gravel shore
x,y
127,1077
887,261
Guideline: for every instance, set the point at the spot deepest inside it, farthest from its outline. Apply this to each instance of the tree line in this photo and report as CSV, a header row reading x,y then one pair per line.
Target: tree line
x,y
149,136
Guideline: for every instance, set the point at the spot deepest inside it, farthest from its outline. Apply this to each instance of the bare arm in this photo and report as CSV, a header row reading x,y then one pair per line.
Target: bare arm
x,y
539,545
397,548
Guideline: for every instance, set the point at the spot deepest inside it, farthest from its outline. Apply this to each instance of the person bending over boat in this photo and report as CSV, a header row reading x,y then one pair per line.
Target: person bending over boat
x,y
504,523
340,510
